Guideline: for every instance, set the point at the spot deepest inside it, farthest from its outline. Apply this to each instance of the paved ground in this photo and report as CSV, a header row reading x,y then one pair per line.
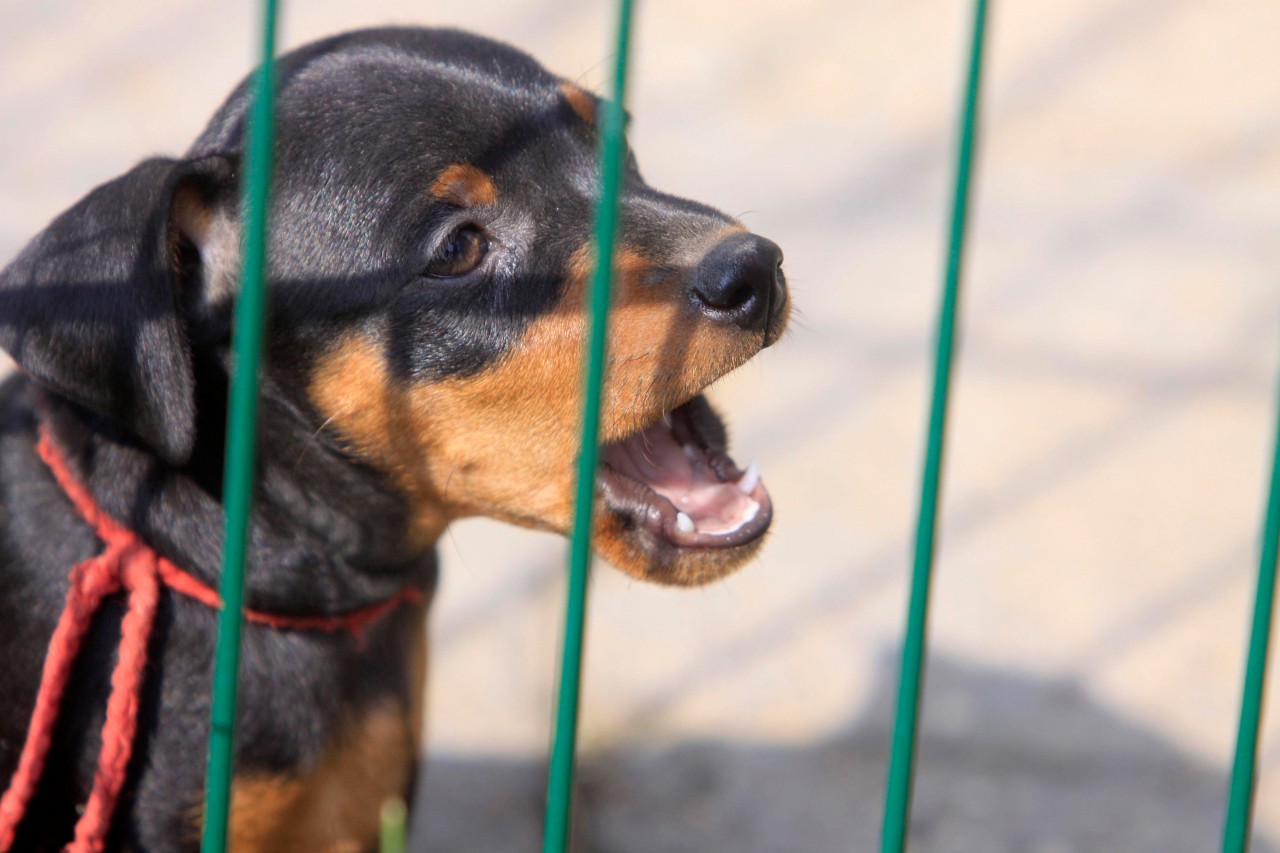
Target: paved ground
x,y
1111,428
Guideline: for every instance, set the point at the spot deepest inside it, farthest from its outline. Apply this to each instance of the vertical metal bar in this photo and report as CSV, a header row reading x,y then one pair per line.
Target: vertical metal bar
x,y
1236,830
241,429
555,837
394,837
897,810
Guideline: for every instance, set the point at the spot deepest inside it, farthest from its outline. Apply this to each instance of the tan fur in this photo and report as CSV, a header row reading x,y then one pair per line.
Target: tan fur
x,y
191,215
335,807
214,234
465,186
417,667
580,101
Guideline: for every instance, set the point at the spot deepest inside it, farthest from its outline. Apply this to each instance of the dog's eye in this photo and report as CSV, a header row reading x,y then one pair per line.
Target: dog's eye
x,y
460,253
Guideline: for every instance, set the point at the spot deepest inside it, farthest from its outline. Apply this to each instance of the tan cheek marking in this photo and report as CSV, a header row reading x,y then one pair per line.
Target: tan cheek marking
x,y
354,393
488,444
335,807
580,101
465,186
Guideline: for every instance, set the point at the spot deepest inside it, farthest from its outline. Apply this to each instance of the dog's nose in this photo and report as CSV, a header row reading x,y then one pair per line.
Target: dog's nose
x,y
740,281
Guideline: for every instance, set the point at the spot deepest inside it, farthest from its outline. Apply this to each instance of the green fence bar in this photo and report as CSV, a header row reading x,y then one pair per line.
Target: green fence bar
x,y
241,422
394,833
1236,831
897,809
555,838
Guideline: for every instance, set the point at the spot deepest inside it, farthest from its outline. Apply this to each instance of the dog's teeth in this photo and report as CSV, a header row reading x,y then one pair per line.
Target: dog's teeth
x,y
691,452
684,523
747,482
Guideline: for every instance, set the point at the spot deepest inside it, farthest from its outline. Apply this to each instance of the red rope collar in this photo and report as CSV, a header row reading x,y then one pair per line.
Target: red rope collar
x,y
126,565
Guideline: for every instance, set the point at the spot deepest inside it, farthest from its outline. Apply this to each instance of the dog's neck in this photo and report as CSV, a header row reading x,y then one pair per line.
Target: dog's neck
x,y
326,535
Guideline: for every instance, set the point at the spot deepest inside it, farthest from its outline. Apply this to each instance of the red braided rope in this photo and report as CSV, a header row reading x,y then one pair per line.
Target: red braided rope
x,y
127,565
137,571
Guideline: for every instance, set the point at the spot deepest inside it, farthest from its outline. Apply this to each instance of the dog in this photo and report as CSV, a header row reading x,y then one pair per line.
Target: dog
x,y
430,251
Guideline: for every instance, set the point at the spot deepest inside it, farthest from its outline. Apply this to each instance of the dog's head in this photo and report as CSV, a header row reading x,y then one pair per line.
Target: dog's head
x,y
430,256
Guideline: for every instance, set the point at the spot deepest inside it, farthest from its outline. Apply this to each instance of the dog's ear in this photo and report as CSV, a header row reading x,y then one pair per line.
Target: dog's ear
x,y
93,307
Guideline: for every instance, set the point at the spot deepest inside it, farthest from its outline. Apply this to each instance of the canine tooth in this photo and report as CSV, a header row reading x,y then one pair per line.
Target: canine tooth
x,y
747,482
684,523
691,452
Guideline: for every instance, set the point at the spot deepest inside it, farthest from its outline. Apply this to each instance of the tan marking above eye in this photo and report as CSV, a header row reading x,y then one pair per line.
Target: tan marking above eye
x,y
465,185
580,101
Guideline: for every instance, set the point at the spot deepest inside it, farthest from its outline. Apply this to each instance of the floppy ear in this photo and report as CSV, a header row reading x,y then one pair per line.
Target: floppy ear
x,y
92,309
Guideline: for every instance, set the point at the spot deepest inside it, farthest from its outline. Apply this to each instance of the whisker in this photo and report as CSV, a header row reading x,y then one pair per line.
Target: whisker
x,y
307,447
447,480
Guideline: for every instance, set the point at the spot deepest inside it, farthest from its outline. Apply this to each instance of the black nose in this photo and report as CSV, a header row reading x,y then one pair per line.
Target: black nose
x,y
740,281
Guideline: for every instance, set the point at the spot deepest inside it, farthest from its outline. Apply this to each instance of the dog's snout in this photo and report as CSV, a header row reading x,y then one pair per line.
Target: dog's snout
x,y
740,281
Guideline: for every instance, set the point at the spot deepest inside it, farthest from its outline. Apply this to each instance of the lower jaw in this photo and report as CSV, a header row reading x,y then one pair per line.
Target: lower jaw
x,y
636,551
643,555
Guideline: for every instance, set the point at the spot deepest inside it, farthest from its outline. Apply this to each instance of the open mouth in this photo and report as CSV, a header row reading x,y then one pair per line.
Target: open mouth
x,y
676,480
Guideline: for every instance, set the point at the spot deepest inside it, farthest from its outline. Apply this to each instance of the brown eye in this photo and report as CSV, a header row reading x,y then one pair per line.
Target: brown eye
x,y
460,253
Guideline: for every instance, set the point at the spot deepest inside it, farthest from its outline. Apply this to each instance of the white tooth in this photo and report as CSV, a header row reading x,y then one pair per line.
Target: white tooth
x,y
691,452
684,523
747,482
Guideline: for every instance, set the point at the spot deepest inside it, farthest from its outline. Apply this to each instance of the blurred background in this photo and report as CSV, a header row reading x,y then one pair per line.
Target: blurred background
x,y
1109,440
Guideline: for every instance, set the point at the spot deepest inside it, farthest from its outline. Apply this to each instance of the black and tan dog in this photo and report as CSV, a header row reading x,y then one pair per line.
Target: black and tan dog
x,y
430,250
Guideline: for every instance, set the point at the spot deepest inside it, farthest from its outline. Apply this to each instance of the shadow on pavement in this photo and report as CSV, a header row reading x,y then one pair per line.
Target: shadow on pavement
x,y
1007,763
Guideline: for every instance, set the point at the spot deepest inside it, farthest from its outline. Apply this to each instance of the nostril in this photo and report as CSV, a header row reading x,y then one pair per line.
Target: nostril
x,y
731,294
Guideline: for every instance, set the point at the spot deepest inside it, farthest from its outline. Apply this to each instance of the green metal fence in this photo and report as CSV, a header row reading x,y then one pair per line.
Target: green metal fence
x,y
560,778
240,464
897,808
241,433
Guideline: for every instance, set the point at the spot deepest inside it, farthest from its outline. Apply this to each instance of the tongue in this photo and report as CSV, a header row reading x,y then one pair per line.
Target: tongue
x,y
683,476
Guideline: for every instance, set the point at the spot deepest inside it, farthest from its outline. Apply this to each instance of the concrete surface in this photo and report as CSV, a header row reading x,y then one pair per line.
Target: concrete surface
x,y
1110,435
